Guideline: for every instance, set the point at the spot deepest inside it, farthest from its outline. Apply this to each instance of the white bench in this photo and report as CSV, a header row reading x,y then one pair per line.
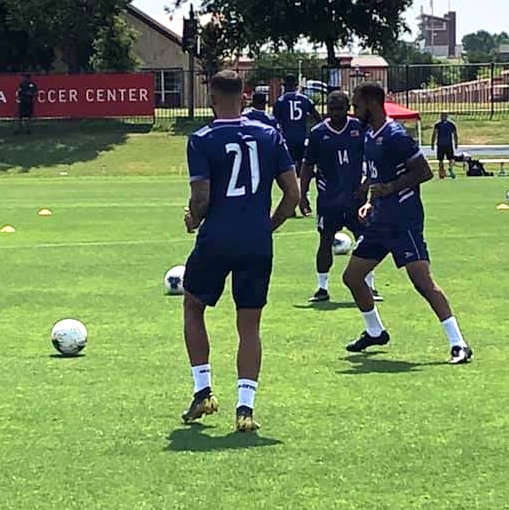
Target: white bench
x,y
499,161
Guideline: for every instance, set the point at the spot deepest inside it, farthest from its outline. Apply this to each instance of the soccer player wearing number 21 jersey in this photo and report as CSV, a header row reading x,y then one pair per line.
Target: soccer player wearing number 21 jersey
x,y
232,164
396,169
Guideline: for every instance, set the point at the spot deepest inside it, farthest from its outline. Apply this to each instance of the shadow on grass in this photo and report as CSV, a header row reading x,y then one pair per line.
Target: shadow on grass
x,y
184,126
61,142
192,439
66,356
325,306
366,363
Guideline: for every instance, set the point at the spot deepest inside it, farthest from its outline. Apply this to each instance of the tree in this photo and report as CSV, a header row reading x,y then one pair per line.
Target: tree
x,y
402,54
17,51
275,65
70,27
214,48
112,47
252,24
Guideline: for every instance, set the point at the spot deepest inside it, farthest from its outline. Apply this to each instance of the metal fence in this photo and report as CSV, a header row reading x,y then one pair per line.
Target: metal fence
x,y
477,90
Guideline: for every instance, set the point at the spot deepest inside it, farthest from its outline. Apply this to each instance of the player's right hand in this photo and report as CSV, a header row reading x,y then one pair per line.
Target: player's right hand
x,y
364,212
305,206
189,221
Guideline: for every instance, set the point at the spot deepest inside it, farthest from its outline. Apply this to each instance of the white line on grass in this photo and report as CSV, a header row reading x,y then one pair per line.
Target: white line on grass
x,y
94,244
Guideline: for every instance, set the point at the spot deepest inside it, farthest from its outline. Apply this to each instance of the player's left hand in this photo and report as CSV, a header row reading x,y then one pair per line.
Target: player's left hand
x,y
190,222
305,206
381,189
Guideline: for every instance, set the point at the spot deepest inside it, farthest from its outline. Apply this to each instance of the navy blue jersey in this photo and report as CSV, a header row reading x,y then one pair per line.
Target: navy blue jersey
x,y
338,156
291,111
27,91
445,130
261,116
387,153
240,158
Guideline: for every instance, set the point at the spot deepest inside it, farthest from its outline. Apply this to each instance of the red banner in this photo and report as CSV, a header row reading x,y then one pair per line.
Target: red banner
x,y
83,96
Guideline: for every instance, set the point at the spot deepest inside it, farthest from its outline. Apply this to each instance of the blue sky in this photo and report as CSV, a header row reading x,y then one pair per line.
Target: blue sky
x,y
473,15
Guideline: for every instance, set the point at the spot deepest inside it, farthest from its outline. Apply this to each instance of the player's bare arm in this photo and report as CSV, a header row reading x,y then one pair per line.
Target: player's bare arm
x,y
307,173
418,172
287,182
455,134
433,138
198,204
316,116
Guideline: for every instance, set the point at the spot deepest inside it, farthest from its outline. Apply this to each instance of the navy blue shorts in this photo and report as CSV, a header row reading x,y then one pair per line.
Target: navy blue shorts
x,y
333,219
405,244
206,274
297,153
445,151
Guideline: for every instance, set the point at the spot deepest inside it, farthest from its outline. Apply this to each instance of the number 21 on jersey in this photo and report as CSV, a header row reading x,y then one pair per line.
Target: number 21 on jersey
x,y
234,190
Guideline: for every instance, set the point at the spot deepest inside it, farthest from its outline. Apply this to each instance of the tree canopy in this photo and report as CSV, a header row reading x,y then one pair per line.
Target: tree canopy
x,y
251,24
481,46
77,31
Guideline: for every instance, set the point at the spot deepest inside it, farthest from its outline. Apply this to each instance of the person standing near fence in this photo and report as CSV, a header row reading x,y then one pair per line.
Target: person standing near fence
x,y
26,91
257,112
445,134
292,110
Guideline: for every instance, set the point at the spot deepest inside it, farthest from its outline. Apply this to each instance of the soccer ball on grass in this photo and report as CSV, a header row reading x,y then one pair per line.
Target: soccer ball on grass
x,y
69,337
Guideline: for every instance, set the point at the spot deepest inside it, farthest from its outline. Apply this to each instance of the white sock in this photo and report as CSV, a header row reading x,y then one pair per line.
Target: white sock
x,y
323,280
370,280
201,376
247,391
453,332
374,325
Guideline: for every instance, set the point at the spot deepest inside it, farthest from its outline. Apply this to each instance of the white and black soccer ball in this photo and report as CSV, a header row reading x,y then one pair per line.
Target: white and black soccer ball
x,y
342,244
69,337
174,281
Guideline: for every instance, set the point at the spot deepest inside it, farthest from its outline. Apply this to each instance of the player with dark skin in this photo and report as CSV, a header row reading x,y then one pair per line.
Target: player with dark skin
x,y
400,193
337,109
339,183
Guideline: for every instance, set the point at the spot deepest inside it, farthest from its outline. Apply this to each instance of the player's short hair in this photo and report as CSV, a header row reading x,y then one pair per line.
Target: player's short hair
x,y
259,98
371,90
227,82
337,95
290,80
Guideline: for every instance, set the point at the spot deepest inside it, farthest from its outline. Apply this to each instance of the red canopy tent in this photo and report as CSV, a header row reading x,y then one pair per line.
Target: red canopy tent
x,y
398,112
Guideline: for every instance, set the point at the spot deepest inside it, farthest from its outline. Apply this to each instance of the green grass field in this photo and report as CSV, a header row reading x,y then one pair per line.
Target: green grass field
x,y
394,429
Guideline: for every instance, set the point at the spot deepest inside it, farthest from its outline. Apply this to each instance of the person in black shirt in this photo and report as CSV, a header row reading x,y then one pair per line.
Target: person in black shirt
x,y
446,133
27,91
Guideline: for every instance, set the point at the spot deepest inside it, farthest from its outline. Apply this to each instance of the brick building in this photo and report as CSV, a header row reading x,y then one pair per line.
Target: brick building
x,y
439,34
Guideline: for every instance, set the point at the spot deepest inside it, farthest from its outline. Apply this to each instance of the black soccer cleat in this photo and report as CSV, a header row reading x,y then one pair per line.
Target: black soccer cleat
x,y
204,402
366,341
244,421
319,296
376,296
460,354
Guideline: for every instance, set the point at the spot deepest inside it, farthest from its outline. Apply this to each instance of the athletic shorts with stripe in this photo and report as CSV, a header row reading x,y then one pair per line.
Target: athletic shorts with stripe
x,y
405,244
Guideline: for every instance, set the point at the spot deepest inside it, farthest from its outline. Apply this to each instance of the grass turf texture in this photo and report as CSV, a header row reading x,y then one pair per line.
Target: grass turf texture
x,y
397,429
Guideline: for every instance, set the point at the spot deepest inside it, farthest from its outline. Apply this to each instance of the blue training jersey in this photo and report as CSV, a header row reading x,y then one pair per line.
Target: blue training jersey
x,y
241,158
291,111
445,130
261,116
338,156
387,153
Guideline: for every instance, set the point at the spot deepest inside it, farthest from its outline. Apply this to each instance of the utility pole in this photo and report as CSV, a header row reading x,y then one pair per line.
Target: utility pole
x,y
190,44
